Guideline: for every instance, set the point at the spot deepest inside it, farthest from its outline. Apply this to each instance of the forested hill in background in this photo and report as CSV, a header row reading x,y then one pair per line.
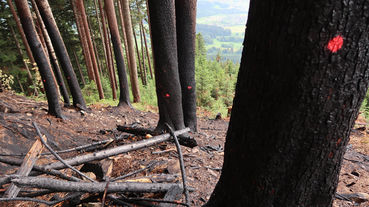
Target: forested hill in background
x,y
222,25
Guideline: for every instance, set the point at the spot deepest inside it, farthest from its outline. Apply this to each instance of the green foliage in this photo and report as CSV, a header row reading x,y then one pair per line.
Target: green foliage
x,y
365,106
215,81
91,94
6,80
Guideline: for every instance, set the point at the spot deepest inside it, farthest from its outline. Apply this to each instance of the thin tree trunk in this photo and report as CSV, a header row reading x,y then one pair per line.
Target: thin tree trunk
x,y
52,56
81,8
61,52
124,34
79,68
21,32
94,46
131,49
40,58
29,75
168,88
19,83
138,57
118,52
112,61
150,32
101,33
83,40
186,36
143,56
108,52
147,50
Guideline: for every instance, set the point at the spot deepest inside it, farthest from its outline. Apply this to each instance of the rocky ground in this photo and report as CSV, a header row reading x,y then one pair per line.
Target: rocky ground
x,y
202,163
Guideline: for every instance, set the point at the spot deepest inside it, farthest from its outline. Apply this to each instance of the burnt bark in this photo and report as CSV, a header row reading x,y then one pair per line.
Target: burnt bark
x,y
118,52
303,75
40,57
52,57
168,88
186,35
61,52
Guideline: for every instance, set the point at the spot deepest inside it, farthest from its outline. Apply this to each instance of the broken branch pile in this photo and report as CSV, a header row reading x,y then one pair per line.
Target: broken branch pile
x,y
33,180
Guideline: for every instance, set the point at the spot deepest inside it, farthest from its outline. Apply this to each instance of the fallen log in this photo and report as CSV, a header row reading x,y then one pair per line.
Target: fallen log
x,y
27,165
137,130
67,186
115,151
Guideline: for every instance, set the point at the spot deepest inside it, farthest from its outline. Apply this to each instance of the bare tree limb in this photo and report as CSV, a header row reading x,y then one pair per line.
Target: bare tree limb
x,y
115,151
57,156
99,187
180,157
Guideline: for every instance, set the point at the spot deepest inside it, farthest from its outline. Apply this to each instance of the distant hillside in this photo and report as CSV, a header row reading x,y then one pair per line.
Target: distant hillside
x,y
222,24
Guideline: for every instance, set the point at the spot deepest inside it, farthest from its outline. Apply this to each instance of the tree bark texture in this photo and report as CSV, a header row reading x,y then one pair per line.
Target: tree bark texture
x,y
21,32
83,40
186,36
40,57
144,74
168,88
79,68
124,34
52,56
61,52
108,51
131,48
147,50
303,75
80,7
118,52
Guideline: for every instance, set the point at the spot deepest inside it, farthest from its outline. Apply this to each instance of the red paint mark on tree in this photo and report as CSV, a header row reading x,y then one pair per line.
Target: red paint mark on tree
x,y
335,44
338,142
189,87
330,155
44,81
167,95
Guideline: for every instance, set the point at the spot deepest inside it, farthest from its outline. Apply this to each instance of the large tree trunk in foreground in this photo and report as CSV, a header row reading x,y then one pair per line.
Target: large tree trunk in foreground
x,y
131,48
118,52
168,89
304,73
61,52
40,57
186,35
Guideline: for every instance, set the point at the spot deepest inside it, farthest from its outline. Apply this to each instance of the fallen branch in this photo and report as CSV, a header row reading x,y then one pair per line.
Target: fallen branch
x,y
67,186
180,157
26,166
136,130
115,151
56,173
57,156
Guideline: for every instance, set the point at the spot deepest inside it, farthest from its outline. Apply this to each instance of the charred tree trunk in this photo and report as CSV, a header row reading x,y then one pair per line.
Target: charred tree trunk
x,y
61,52
302,79
124,34
40,58
186,35
81,9
52,57
21,32
131,48
168,88
118,52
108,52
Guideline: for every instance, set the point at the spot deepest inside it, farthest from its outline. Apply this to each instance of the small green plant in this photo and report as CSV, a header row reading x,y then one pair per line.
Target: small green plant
x,y
5,81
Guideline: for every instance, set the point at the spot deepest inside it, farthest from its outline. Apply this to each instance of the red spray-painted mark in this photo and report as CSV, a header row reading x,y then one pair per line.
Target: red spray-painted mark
x,y
44,81
167,95
330,155
335,44
338,142
189,87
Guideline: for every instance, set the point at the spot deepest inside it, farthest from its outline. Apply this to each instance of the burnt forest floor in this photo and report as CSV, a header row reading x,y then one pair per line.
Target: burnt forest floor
x,y
203,163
